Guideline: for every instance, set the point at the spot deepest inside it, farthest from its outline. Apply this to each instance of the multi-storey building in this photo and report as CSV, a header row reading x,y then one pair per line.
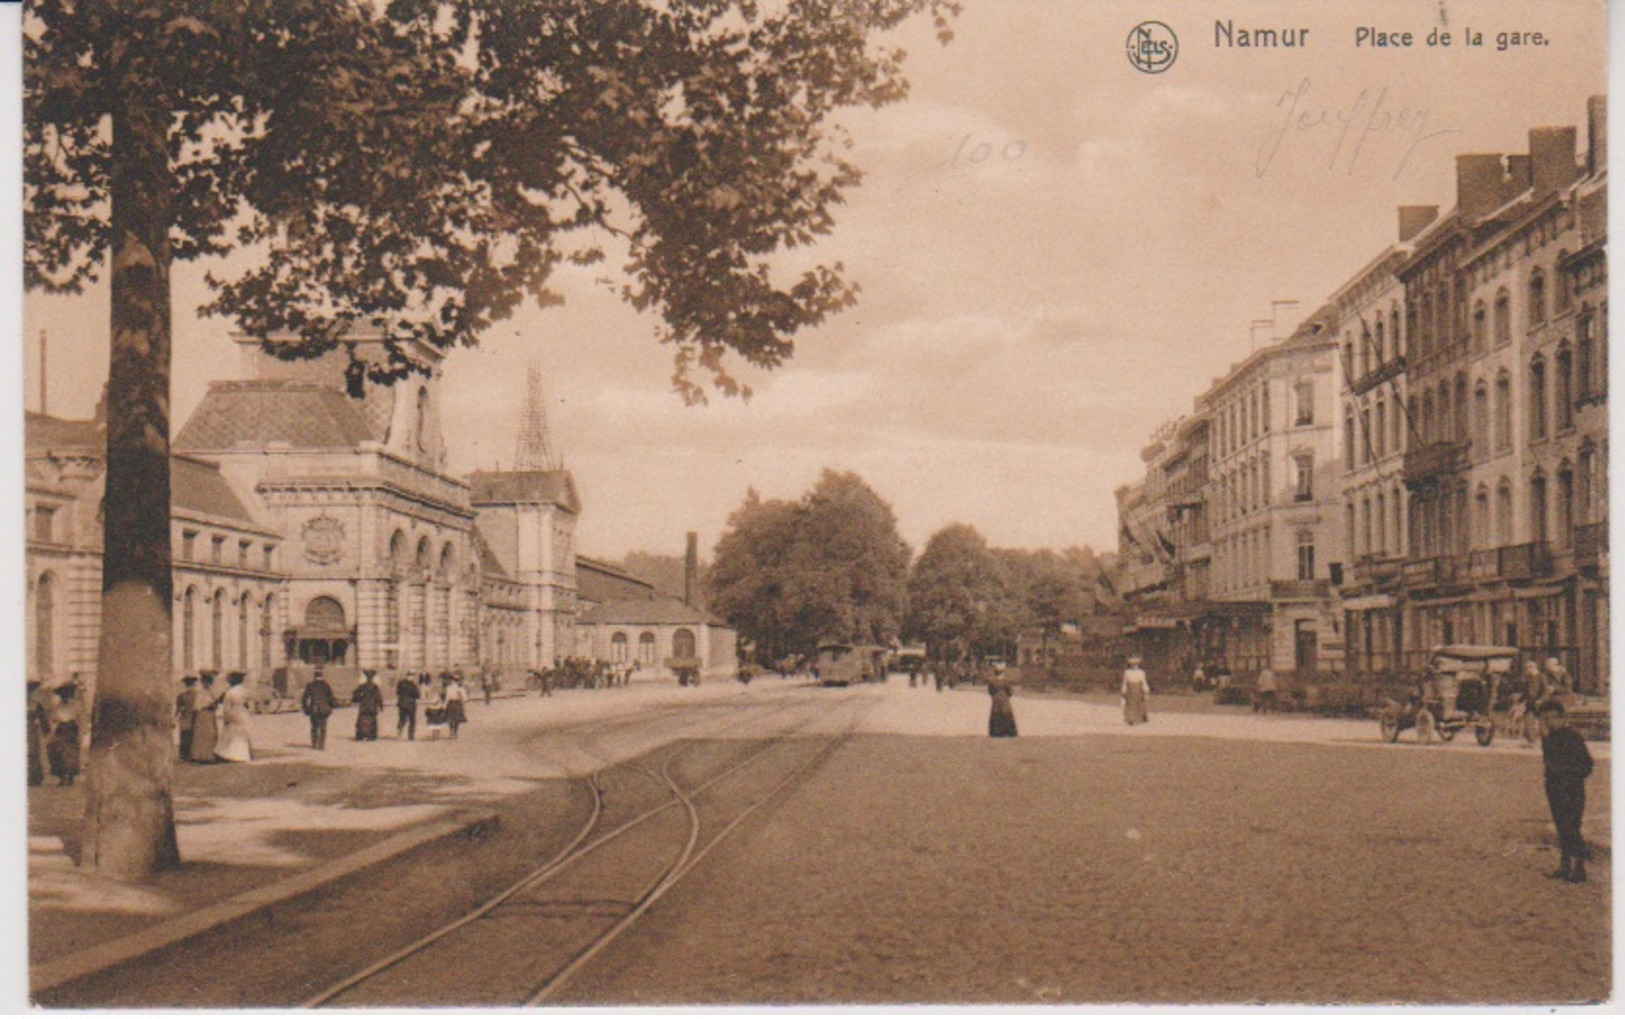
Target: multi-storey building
x,y
1276,516
1376,432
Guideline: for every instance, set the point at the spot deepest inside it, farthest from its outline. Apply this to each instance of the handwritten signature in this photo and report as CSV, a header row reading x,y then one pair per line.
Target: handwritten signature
x,y
1352,125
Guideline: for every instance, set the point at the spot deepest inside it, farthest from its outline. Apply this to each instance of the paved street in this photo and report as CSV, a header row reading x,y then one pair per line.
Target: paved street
x,y
1082,862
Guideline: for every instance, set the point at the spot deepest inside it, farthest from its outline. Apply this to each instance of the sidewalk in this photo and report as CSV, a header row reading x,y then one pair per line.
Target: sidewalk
x,y
245,830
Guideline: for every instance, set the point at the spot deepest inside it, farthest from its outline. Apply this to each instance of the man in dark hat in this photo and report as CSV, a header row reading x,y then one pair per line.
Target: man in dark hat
x,y
318,702
406,707
1568,765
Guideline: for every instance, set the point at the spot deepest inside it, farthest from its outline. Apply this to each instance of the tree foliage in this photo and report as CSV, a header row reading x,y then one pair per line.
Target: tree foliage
x,y
421,168
830,566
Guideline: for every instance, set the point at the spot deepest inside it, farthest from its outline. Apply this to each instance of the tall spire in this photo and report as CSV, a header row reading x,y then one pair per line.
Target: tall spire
x,y
535,449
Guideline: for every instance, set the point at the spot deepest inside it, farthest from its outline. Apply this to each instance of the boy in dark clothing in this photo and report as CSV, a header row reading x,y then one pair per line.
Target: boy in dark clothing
x,y
406,707
1568,765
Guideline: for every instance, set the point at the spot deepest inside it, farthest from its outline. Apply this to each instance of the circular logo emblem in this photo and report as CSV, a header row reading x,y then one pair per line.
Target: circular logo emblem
x,y
324,540
1152,47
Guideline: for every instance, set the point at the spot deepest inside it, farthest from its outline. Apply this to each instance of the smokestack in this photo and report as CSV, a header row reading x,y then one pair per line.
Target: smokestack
x,y
691,567
1597,133
1413,219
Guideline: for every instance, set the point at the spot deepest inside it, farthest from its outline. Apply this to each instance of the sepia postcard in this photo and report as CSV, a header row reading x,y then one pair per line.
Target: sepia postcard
x,y
819,503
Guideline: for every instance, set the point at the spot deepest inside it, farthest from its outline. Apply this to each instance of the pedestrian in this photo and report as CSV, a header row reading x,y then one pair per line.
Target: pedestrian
x,y
1001,719
1568,765
236,744
39,723
368,701
434,709
406,707
454,697
1558,680
547,682
318,702
186,714
1265,691
1136,693
205,725
486,684
936,676
1198,679
62,745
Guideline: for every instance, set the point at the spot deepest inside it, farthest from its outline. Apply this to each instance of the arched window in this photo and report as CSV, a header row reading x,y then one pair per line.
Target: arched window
x,y
1565,505
1563,296
1348,436
45,627
1481,516
1397,503
1461,409
1423,334
1379,434
448,563
618,648
682,644
1481,420
1481,328
1353,532
420,419
188,629
243,605
646,648
1377,344
1365,526
1447,425
1393,331
1503,412
1583,348
267,630
217,629
1503,318
1586,484
1538,529
1537,398
1563,384
1537,298
1428,434
398,556
1503,512
424,557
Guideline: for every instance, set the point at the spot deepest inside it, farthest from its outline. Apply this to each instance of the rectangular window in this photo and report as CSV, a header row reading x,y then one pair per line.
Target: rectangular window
x,y
1306,404
242,553
217,549
1306,557
268,549
189,546
44,519
1304,488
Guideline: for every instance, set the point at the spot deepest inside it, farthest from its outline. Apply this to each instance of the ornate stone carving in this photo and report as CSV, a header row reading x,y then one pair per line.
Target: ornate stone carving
x,y
324,540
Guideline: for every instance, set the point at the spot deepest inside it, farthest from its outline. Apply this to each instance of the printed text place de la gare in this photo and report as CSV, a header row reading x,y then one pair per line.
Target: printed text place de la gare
x,y
1227,34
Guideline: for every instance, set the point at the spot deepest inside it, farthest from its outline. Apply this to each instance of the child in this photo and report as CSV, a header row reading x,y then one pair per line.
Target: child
x,y
1568,765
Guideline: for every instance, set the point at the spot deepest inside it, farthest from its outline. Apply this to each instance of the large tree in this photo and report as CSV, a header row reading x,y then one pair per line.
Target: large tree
x,y
830,566
953,590
415,168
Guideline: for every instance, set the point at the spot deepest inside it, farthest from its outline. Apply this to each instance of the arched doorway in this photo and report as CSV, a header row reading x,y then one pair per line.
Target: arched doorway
x,y
323,638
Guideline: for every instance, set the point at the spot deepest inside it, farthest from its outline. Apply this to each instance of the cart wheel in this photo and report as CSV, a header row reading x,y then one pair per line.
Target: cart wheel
x,y
1390,726
1447,733
1426,730
1485,731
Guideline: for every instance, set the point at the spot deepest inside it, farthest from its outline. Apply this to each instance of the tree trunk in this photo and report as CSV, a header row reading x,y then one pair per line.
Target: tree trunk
x,y
129,817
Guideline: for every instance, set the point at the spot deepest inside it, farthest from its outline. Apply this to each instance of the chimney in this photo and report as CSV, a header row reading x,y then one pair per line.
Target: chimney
x,y
1480,184
1597,134
1519,175
691,567
1413,219
1553,151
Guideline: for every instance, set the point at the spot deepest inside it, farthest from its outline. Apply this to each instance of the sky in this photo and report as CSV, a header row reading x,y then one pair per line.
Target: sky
x,y
1057,252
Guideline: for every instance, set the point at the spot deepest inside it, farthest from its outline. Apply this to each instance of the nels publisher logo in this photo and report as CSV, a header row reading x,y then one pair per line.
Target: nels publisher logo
x,y
1152,47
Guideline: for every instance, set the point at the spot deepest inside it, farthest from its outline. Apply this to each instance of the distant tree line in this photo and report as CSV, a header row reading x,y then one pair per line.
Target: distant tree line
x,y
832,567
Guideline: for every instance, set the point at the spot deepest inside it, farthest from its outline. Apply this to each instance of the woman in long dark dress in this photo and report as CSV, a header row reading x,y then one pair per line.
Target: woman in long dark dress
x,y
368,701
205,724
1001,720
62,749
38,724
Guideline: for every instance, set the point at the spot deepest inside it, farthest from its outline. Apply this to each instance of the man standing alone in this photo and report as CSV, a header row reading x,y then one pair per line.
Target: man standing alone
x,y
1568,765
406,707
317,702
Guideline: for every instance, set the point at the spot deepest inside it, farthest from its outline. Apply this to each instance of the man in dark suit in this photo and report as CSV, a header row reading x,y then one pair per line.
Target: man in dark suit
x,y
318,703
1568,765
406,707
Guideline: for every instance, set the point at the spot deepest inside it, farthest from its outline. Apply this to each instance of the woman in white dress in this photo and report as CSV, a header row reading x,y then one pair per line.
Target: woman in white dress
x,y
1136,692
235,743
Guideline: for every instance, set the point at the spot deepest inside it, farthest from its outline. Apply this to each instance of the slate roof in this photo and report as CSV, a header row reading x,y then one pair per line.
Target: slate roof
x,y
43,433
198,486
602,583
556,487
490,566
263,411
658,611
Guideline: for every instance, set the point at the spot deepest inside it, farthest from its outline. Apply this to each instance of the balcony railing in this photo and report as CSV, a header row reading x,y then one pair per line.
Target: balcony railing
x,y
1428,461
1530,561
1390,369
1590,544
1287,590
1431,572
1377,569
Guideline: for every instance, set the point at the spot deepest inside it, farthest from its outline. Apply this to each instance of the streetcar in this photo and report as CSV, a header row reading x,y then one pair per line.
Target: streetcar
x,y
841,664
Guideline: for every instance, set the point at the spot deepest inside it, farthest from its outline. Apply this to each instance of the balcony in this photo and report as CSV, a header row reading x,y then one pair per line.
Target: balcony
x,y
1377,569
1299,590
1432,572
1390,369
1429,461
1526,562
1590,545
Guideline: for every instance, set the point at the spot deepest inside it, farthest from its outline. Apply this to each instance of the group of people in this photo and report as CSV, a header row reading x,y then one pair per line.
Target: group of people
x,y
53,732
1135,692
444,708
213,726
